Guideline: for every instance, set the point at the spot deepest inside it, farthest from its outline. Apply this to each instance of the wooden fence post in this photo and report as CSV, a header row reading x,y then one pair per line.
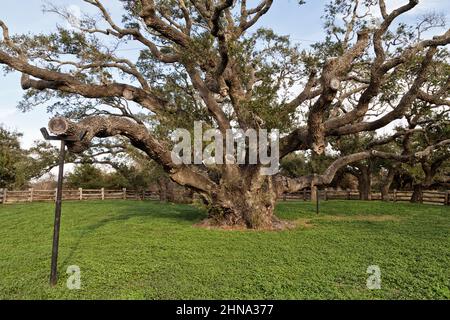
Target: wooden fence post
x,y
440,197
314,193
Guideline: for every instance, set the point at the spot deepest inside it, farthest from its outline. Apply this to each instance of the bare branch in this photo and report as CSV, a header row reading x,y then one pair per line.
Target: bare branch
x,y
335,128
50,79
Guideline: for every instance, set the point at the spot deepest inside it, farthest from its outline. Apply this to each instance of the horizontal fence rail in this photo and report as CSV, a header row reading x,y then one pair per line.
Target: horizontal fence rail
x,y
428,197
32,195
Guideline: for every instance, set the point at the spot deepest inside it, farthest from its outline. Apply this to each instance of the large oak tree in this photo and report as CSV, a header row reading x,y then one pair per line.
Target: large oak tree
x,y
204,60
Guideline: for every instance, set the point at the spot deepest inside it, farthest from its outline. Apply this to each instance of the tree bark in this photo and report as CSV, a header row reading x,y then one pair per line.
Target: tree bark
x,y
417,196
430,170
387,184
364,182
245,199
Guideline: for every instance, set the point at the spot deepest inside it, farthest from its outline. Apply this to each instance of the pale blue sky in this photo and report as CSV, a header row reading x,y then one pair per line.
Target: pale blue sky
x,y
302,23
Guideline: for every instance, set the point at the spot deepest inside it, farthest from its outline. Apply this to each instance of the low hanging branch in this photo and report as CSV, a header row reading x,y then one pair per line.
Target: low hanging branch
x,y
62,126
288,185
204,61
103,127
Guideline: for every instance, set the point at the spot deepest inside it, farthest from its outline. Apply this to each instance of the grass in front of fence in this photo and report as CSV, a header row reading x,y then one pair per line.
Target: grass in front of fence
x,y
151,250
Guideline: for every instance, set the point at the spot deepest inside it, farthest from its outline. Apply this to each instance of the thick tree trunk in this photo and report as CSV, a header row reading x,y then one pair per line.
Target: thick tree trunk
x,y
166,190
244,201
239,208
417,196
386,185
364,183
385,192
430,172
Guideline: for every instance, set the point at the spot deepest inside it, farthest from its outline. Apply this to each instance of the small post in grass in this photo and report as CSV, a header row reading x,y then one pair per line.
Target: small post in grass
x,y
58,126
317,199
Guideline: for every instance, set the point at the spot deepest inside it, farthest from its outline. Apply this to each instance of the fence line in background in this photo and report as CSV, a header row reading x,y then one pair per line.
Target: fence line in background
x,y
32,195
429,197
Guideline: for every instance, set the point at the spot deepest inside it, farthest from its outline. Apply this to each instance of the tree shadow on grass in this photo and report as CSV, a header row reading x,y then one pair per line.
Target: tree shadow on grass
x,y
159,210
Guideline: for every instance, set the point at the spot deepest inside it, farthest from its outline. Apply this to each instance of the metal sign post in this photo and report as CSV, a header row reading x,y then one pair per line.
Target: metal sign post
x,y
57,221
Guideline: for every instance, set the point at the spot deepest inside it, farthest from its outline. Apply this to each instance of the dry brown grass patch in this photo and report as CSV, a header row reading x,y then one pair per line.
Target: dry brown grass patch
x,y
304,223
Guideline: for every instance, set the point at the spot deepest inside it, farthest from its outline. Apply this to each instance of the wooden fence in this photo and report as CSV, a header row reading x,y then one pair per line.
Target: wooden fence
x,y
429,197
31,195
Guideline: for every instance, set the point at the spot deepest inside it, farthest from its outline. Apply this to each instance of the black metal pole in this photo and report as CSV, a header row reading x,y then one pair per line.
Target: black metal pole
x,y
54,265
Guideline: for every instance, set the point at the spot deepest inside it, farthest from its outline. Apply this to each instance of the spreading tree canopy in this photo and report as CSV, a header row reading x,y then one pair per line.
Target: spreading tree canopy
x,y
204,60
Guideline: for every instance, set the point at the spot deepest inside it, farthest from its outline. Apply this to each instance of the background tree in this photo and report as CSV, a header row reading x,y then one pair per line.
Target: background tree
x,y
202,60
19,166
10,157
86,176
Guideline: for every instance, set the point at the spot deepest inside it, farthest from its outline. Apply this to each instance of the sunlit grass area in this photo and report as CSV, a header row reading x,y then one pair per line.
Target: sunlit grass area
x,y
152,250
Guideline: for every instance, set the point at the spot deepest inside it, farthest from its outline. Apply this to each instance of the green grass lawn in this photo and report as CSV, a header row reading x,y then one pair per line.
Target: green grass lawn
x,y
151,250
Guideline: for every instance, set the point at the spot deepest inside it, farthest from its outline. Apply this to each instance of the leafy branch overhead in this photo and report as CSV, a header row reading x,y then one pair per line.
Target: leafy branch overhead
x,y
206,60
